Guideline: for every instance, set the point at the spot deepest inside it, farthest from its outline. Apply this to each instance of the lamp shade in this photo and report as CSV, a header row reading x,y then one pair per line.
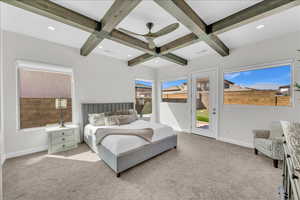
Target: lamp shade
x,y
61,103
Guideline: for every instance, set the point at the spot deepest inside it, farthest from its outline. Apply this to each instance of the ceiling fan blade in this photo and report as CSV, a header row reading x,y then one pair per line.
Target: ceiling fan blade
x,y
166,30
129,32
151,42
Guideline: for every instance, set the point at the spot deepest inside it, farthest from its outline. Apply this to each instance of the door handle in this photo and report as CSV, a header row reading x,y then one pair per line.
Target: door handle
x,y
214,111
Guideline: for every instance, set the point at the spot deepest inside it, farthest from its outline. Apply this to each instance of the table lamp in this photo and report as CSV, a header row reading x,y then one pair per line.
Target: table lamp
x,y
61,104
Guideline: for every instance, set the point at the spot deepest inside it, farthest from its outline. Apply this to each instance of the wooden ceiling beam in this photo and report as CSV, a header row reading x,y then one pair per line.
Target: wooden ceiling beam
x,y
251,14
116,13
188,17
243,17
59,13
140,59
130,41
179,43
175,59
54,11
64,15
146,57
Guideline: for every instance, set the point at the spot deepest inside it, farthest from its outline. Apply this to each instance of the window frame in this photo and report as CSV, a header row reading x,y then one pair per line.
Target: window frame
x,y
152,91
44,67
290,62
175,79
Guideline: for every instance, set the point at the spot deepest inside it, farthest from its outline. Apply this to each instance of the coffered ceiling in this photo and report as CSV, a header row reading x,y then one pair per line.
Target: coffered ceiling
x,y
148,11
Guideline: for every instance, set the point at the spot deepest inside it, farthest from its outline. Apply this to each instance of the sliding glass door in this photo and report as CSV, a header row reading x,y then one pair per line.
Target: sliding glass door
x,y
204,103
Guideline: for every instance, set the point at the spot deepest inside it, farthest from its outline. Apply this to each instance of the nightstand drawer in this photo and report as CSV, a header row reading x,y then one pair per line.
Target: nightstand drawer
x,y
63,147
64,133
63,139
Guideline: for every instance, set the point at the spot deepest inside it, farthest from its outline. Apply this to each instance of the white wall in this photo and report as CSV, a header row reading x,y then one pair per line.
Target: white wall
x,y
97,79
1,131
236,122
2,157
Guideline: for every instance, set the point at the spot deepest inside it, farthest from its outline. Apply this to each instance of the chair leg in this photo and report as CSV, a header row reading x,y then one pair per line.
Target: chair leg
x,y
255,151
275,163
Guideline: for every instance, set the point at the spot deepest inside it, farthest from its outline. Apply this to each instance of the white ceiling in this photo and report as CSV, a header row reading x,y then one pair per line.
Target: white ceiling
x,y
147,11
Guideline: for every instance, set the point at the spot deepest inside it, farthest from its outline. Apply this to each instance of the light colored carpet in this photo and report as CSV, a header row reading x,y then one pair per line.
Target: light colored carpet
x,y
200,169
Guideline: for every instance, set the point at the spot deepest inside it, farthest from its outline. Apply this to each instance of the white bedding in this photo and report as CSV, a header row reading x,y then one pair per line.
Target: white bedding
x,y
118,144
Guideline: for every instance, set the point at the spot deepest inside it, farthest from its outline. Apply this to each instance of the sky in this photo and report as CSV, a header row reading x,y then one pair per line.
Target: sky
x,y
268,78
167,84
147,83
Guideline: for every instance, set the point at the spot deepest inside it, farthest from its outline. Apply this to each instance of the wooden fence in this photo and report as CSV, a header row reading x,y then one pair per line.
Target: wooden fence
x,y
38,112
250,97
256,97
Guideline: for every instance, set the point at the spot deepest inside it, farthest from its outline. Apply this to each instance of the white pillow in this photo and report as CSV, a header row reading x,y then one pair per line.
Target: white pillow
x,y
127,119
97,119
112,120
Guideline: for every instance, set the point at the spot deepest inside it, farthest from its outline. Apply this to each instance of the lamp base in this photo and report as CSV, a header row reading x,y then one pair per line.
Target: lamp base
x,y
62,126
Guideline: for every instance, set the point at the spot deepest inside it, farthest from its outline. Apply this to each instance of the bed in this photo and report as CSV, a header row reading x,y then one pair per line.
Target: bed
x,y
121,152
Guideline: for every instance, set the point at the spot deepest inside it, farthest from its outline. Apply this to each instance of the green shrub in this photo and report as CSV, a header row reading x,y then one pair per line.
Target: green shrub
x,y
147,108
202,118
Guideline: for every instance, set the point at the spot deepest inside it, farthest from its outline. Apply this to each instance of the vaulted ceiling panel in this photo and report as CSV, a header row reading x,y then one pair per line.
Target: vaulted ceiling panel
x,y
214,10
272,26
157,62
195,50
35,25
90,8
148,11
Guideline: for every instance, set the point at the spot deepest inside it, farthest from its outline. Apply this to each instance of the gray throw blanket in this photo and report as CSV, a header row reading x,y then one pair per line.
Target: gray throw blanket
x,y
145,133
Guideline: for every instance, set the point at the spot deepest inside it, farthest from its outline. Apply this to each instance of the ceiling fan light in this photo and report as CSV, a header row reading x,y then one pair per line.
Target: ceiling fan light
x,y
260,26
51,28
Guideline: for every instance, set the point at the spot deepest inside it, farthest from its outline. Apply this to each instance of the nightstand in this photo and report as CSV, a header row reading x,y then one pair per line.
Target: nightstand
x,y
62,139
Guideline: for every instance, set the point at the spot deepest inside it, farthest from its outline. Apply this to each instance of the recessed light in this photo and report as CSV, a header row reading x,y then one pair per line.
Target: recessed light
x,y
100,47
129,56
51,28
260,26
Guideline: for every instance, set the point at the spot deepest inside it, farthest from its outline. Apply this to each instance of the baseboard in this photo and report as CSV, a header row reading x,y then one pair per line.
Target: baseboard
x,y
26,152
236,142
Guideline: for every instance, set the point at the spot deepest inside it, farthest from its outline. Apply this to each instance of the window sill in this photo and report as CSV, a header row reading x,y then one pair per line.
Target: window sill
x,y
31,130
38,129
255,106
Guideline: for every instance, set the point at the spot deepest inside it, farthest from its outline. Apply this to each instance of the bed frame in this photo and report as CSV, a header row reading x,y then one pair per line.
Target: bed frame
x,y
120,163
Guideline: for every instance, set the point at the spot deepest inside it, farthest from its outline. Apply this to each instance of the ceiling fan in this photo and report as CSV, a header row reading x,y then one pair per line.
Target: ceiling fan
x,y
151,36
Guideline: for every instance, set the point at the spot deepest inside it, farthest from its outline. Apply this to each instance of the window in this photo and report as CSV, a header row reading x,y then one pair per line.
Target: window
x,y
37,93
266,86
174,91
143,97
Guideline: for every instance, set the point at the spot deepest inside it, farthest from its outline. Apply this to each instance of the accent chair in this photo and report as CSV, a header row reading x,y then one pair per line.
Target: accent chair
x,y
270,142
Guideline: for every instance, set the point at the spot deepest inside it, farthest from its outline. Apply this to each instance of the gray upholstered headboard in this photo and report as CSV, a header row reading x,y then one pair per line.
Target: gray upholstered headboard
x,y
89,108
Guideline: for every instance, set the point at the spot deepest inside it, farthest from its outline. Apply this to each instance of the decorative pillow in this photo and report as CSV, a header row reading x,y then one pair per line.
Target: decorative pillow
x,y
97,119
112,120
127,119
118,112
134,115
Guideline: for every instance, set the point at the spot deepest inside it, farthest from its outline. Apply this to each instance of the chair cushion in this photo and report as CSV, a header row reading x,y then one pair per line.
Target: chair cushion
x,y
264,145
